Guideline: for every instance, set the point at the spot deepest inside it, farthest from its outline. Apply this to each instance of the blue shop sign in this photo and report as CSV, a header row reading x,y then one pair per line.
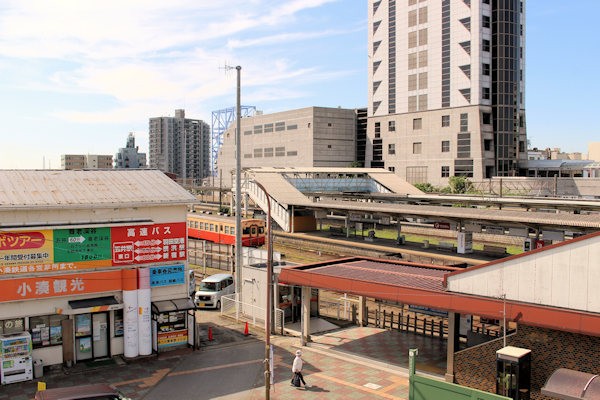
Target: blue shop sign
x,y
167,275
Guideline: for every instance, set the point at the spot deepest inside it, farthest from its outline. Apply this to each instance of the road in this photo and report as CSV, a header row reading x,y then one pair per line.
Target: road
x,y
216,373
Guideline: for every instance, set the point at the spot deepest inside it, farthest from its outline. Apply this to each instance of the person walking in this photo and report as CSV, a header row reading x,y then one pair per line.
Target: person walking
x,y
297,370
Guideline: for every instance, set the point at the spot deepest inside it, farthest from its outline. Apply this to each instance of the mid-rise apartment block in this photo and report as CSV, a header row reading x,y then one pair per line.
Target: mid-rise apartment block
x,y
129,156
87,161
180,146
306,137
446,88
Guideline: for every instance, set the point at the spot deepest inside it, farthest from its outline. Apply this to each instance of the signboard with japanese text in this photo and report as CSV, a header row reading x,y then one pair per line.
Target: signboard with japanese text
x,y
83,244
149,243
18,249
171,339
60,285
167,275
63,250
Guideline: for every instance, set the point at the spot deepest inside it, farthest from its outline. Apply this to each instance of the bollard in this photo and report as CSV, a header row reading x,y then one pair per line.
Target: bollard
x,y
246,330
210,335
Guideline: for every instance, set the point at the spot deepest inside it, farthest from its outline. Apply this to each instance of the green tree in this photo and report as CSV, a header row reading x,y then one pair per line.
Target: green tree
x,y
425,187
459,184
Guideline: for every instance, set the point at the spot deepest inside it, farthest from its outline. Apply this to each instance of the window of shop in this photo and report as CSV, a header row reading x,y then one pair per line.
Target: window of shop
x,y
118,323
46,330
13,325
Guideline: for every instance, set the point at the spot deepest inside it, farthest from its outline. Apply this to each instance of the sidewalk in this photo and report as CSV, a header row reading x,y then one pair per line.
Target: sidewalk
x,y
329,375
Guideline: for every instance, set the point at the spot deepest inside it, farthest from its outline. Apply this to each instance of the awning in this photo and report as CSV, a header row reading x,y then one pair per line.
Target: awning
x,y
96,304
568,384
173,305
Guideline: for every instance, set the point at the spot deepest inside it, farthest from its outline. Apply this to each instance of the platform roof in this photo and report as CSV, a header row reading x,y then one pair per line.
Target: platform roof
x,y
422,284
45,189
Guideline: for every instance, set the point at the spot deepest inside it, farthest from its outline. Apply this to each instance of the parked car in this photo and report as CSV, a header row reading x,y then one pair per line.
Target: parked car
x,y
97,391
212,289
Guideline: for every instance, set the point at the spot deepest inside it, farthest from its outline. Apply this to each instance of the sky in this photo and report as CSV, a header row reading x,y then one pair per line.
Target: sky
x,y
76,77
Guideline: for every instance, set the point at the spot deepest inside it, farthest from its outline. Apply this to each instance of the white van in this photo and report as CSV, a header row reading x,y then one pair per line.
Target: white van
x,y
212,289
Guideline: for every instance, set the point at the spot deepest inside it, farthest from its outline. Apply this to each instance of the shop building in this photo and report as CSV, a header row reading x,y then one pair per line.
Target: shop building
x,y
94,263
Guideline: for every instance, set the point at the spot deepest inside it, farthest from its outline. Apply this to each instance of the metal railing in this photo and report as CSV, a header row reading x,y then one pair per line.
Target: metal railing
x,y
232,308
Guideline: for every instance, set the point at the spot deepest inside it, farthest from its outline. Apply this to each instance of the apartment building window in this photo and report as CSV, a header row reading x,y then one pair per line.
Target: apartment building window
x,y
485,45
485,69
445,171
486,118
486,93
412,18
377,130
268,152
445,146
422,58
422,37
279,151
412,39
423,80
392,169
391,126
258,153
292,127
279,126
464,122
258,129
391,148
445,121
422,102
417,123
412,60
268,128
248,132
292,153
423,15
412,103
412,82
417,147
485,21
248,155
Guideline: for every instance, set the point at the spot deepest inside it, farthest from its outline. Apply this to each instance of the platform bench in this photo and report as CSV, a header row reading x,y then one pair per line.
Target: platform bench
x,y
496,250
446,246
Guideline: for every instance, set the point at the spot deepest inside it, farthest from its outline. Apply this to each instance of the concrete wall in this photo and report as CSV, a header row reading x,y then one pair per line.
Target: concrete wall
x,y
550,349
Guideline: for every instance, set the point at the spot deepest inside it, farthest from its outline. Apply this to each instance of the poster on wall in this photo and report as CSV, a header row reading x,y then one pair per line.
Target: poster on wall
x,y
149,243
85,345
83,325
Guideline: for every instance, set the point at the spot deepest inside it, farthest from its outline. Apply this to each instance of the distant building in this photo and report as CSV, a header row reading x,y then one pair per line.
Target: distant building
x,y
180,146
306,137
594,151
446,89
129,157
89,161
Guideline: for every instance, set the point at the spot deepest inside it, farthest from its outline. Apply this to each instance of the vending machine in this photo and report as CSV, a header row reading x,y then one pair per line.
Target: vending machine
x,y
15,358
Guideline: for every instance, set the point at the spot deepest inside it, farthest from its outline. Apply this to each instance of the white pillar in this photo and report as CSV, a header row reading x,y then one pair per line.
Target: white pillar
x,y
130,311
144,323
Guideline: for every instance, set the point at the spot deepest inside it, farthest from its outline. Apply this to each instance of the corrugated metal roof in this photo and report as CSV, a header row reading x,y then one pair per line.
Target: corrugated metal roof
x,y
88,188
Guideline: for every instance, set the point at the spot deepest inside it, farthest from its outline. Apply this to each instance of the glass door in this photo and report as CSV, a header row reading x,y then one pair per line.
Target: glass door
x,y
100,335
83,336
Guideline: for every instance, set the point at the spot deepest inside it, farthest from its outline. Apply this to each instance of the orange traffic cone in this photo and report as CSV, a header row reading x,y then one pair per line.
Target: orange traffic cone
x,y
210,336
246,330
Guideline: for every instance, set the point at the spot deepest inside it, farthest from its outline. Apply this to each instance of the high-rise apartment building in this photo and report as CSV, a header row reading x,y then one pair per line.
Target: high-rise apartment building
x,y
129,156
180,146
446,88
86,161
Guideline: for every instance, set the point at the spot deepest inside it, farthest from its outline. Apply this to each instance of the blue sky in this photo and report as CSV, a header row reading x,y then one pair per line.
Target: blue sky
x,y
78,76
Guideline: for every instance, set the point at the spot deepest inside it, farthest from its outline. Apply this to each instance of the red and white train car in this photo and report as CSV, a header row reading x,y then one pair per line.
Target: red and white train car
x,y
221,229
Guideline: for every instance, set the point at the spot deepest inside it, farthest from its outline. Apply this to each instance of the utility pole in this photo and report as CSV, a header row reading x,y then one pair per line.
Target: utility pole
x,y
238,190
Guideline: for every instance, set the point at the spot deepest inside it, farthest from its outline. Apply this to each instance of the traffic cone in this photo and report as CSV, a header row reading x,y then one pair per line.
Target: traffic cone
x,y
246,330
210,336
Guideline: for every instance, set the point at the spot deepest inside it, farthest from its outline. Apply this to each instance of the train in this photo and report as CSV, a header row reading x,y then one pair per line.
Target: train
x,y
221,229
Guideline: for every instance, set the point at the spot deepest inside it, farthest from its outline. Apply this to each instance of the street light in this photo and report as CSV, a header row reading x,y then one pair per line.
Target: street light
x,y
269,306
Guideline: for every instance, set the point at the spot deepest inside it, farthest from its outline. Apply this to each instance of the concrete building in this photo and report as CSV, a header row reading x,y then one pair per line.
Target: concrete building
x,y
89,161
94,263
129,156
180,146
306,137
446,89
